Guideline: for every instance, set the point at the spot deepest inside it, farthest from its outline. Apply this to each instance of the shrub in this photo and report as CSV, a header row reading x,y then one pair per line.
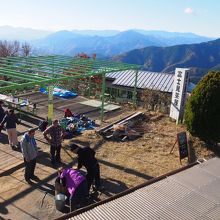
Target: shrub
x,y
155,100
202,115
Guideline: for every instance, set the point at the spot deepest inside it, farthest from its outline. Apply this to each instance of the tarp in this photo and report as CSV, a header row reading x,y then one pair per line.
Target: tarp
x,y
60,92
77,124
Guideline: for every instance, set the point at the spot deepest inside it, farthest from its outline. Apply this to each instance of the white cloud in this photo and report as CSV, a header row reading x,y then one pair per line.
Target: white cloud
x,y
189,11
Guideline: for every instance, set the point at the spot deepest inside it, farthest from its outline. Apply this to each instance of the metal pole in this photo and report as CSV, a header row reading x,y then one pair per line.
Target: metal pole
x,y
103,97
50,103
89,86
50,100
135,89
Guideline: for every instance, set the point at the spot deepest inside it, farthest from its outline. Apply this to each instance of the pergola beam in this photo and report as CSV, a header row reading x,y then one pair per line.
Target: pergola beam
x,y
48,70
44,65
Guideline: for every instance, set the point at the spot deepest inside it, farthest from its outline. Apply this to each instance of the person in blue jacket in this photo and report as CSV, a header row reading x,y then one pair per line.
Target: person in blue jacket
x,y
29,151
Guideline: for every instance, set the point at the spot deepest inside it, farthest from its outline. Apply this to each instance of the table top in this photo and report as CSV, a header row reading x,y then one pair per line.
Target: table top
x,y
14,100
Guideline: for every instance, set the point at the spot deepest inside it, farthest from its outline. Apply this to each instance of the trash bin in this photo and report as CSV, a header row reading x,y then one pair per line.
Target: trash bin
x,y
60,201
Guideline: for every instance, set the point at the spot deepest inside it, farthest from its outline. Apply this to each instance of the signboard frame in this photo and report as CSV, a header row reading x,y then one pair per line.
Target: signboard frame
x,y
182,145
181,79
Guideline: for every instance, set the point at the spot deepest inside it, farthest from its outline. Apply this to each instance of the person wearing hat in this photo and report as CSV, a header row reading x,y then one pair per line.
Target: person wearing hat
x,y
11,120
29,151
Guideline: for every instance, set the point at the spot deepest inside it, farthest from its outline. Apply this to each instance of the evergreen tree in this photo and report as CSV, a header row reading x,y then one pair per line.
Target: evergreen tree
x,y
202,115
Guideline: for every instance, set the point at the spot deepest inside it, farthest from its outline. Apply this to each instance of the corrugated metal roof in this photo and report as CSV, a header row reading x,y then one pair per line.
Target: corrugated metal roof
x,y
191,194
146,80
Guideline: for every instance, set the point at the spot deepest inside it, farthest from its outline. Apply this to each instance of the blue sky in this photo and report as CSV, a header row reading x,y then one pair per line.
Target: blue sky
x,y
197,16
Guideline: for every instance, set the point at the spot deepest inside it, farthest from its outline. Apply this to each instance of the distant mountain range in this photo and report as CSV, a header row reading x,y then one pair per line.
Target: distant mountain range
x,y
199,57
105,43
73,42
68,43
21,34
155,50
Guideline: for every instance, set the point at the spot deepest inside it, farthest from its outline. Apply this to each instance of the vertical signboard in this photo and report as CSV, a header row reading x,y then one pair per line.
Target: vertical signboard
x,y
183,145
50,103
181,79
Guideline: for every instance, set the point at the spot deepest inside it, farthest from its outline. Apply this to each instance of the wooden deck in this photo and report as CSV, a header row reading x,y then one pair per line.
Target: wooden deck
x,y
18,200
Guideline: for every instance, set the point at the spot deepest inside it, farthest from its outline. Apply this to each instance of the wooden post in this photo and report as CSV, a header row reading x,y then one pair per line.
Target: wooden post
x,y
173,147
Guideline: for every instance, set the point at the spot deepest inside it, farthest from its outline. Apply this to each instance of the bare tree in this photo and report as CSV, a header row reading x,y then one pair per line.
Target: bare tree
x,y
155,100
25,49
8,48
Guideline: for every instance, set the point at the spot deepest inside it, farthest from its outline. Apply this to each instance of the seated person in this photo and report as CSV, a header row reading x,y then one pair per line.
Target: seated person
x,y
76,186
43,125
67,113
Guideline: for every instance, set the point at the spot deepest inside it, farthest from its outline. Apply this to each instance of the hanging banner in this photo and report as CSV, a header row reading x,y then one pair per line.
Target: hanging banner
x,y
181,79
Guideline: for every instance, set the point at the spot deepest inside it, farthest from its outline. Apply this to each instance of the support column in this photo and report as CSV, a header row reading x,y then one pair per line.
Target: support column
x,y
89,86
135,89
50,89
103,97
50,103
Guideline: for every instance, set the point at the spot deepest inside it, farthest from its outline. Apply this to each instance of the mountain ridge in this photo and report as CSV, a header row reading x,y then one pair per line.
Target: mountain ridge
x,y
71,43
200,57
105,43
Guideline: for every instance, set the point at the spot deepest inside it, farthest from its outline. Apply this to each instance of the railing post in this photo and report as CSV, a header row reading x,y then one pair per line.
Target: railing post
x,y
103,97
135,89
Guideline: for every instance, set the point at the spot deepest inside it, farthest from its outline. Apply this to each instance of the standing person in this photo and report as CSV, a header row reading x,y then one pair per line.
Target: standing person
x,y
29,152
86,158
2,114
56,132
11,120
2,111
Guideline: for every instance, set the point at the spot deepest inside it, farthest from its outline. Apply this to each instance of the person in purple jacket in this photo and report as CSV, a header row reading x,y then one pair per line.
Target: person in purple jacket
x,y
76,185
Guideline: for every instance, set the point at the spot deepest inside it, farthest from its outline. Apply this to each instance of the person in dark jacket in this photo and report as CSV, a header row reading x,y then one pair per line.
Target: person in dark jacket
x,y
43,125
11,120
2,111
86,158
2,114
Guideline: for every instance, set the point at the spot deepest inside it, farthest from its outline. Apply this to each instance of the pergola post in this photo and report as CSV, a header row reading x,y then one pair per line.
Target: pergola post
x,y
89,86
135,88
103,97
50,103
50,98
